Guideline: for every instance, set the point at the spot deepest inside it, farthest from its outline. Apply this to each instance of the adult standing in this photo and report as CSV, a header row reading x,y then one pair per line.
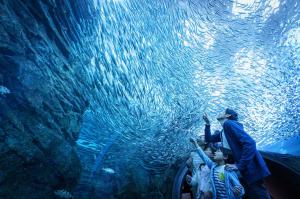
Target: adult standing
x,y
247,159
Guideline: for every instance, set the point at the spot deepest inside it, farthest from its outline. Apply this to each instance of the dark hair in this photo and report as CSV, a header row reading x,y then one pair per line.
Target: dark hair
x,y
232,113
214,146
206,145
209,146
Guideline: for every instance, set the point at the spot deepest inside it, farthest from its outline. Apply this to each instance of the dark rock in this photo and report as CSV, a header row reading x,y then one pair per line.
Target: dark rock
x,y
2,176
40,116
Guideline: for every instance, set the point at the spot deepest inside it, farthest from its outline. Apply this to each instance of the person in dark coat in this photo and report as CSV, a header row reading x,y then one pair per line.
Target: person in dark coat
x,y
247,159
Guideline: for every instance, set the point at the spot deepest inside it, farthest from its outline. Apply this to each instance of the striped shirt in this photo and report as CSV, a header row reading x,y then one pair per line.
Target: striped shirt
x,y
219,181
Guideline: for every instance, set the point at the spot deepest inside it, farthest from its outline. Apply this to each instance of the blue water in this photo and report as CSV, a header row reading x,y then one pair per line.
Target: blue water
x,y
162,64
146,71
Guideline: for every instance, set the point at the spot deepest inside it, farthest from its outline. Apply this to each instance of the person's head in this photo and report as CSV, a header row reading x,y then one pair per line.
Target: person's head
x,y
219,156
208,151
201,141
196,159
189,163
229,114
202,138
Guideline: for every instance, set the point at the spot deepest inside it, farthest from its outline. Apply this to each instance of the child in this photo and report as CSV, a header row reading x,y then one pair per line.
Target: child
x,y
200,180
225,184
205,182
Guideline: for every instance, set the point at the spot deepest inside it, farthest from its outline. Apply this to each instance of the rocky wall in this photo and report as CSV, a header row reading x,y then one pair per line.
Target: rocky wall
x,y
45,88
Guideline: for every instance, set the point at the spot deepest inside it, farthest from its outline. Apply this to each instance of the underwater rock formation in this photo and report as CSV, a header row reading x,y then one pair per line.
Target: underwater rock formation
x,y
41,108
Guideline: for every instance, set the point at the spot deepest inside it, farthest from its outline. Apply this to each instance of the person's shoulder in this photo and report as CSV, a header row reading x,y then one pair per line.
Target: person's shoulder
x,y
232,123
232,174
228,123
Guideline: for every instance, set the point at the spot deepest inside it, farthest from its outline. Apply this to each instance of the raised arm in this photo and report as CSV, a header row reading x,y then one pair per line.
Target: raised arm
x,y
208,137
216,137
202,155
248,144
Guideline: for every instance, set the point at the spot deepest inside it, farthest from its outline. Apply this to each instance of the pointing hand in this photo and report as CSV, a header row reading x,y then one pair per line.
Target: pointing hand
x,y
231,167
205,118
237,190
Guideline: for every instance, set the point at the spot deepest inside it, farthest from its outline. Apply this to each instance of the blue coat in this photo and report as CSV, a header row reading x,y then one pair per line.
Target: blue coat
x,y
248,160
231,178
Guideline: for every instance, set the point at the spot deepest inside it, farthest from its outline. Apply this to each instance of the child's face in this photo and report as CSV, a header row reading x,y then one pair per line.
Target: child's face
x,y
208,152
218,156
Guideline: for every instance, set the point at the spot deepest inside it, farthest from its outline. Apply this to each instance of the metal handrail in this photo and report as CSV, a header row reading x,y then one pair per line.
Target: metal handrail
x,y
176,191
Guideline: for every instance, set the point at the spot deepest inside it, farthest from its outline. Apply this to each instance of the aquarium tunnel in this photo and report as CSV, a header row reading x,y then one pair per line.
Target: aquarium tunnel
x,y
99,98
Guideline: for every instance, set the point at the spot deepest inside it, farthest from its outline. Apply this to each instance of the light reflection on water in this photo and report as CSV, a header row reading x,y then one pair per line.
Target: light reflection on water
x,y
164,63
